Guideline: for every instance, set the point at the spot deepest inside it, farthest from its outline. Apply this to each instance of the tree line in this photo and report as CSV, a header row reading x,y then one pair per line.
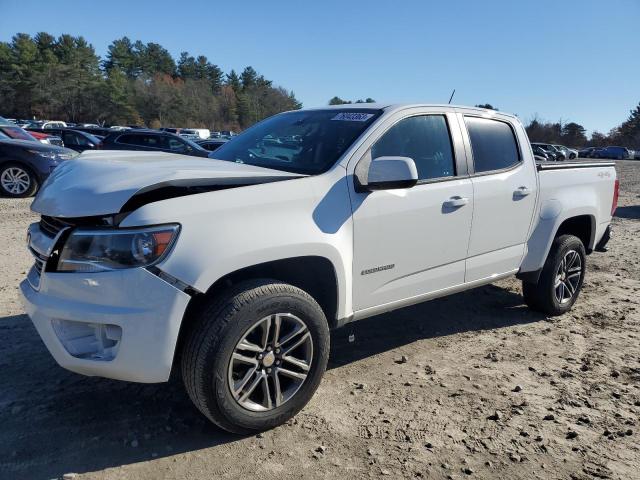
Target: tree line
x,y
627,134
64,79
572,134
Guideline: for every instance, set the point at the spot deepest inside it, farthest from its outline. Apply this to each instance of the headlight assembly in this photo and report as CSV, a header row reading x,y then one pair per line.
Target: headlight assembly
x,y
44,154
113,249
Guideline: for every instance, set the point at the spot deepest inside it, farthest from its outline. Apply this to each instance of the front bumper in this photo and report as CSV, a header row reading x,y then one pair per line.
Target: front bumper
x,y
144,310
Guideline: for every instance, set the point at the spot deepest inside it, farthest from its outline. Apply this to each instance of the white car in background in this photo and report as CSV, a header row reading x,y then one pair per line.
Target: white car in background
x,y
194,133
54,124
236,269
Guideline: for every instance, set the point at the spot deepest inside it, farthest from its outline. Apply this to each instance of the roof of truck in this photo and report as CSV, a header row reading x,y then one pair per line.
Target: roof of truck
x,y
388,107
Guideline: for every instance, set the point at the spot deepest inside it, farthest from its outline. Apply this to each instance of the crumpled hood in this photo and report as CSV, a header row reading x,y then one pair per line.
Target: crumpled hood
x,y
101,182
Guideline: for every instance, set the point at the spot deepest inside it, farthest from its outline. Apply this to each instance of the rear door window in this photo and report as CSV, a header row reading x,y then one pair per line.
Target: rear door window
x,y
150,141
493,144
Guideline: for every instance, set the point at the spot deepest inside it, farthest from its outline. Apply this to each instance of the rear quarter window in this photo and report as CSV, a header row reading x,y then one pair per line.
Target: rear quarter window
x,y
493,144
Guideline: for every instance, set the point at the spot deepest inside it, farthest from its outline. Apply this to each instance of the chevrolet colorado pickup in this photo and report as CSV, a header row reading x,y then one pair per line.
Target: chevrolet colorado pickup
x,y
234,270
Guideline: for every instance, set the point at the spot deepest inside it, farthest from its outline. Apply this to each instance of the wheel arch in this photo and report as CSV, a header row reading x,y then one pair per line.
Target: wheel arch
x,y
579,224
316,275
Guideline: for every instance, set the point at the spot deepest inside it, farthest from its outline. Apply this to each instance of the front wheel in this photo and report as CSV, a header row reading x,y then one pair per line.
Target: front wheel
x,y
561,279
256,355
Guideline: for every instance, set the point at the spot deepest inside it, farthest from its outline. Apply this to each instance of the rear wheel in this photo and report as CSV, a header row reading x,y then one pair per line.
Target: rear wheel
x,y
256,356
17,181
561,279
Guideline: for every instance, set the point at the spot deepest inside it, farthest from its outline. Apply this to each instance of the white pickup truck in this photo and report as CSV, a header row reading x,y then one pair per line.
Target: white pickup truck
x,y
235,270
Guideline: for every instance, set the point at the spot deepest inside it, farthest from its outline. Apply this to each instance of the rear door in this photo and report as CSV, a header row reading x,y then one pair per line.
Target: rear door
x,y
410,242
504,180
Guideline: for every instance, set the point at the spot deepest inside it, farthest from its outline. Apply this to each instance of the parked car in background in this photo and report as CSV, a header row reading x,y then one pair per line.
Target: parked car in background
x,y
573,153
189,136
595,152
552,153
14,131
585,152
119,127
212,144
617,153
560,155
25,164
53,124
202,133
152,140
75,139
48,139
95,131
540,152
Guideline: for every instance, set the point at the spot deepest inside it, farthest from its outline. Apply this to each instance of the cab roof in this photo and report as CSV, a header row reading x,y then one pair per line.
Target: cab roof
x,y
392,107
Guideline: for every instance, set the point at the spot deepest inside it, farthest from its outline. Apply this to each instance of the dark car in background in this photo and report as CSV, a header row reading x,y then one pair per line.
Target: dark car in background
x,y
99,132
74,139
586,152
25,164
212,144
152,141
616,153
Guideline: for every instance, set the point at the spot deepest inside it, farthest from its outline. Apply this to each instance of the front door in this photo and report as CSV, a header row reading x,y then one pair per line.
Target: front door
x,y
409,242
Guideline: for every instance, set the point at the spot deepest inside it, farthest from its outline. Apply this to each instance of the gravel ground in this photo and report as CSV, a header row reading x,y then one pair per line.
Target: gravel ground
x,y
474,385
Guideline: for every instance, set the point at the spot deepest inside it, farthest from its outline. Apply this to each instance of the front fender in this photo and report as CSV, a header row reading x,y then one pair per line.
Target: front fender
x,y
228,230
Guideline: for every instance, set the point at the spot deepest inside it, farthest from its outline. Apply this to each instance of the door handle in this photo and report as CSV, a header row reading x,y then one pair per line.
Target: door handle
x,y
457,201
521,192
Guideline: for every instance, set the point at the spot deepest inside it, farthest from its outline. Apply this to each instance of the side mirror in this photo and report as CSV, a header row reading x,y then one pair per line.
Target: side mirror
x,y
386,173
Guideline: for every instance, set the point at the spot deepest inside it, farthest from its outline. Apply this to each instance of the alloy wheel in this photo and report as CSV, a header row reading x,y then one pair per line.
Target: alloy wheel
x,y
270,362
15,180
568,277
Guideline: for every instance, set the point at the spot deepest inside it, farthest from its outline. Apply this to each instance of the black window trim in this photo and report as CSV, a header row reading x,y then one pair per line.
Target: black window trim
x,y
472,166
456,175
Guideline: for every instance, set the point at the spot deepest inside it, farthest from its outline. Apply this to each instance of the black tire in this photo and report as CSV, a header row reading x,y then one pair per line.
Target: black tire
x,y
542,296
221,324
32,188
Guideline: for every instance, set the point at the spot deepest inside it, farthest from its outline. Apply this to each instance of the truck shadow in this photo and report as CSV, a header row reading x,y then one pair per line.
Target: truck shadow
x,y
489,307
56,422
631,212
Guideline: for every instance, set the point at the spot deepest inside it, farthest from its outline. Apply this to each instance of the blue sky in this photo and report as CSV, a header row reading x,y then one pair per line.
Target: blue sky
x,y
575,60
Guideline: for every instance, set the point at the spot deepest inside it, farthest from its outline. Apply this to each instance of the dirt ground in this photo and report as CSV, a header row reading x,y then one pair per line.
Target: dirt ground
x,y
486,389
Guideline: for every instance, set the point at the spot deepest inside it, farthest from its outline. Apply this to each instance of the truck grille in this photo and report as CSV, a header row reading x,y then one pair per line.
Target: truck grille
x,y
51,226
35,274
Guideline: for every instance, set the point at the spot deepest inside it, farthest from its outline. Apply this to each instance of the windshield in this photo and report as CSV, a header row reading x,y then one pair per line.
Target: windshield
x,y
306,142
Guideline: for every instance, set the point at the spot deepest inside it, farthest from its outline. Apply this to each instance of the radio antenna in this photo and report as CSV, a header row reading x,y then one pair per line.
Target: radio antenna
x,y
452,94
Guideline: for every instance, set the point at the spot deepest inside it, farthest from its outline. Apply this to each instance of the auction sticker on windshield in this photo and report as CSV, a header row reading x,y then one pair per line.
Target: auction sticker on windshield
x,y
353,116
